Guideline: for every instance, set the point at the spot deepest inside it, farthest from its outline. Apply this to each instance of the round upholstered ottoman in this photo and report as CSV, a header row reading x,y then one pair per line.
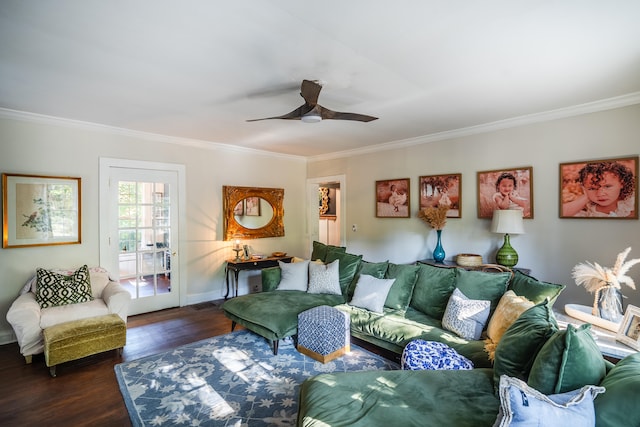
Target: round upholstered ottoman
x,y
433,355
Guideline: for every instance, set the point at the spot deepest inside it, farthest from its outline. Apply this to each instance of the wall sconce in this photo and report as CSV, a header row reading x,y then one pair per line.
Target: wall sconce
x,y
507,222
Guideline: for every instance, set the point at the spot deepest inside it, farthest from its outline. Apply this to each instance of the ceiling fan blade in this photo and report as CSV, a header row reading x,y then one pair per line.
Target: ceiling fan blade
x,y
327,114
294,115
310,91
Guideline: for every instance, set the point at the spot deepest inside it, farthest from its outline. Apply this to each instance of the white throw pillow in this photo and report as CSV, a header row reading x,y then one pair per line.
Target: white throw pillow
x,y
522,406
466,317
324,278
371,293
294,276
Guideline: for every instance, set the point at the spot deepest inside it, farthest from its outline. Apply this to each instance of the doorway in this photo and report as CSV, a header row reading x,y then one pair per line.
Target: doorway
x,y
327,210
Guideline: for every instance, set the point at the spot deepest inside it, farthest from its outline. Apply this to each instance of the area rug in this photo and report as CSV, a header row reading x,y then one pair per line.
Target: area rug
x,y
229,380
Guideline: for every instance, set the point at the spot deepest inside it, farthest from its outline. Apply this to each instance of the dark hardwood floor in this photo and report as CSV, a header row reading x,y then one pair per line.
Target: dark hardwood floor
x,y
85,392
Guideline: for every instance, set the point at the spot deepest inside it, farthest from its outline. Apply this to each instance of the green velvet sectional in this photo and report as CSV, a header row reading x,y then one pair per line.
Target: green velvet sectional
x,y
413,309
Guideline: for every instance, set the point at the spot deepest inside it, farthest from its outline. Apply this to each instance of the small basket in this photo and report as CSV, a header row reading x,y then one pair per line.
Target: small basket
x,y
469,260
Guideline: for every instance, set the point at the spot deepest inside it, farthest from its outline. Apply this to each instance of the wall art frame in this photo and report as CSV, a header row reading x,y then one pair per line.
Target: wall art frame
x,y
599,189
445,189
508,188
40,210
629,332
392,198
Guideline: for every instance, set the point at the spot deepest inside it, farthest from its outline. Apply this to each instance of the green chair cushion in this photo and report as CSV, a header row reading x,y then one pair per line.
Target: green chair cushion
x,y
618,406
569,360
533,289
522,341
405,276
348,263
433,289
481,285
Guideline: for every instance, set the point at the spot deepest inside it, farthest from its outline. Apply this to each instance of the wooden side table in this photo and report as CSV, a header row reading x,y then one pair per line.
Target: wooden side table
x,y
611,349
252,264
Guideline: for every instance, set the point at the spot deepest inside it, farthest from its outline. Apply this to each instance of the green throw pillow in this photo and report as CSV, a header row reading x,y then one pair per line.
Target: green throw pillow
x,y
348,264
484,286
402,289
433,289
533,289
374,269
55,289
522,341
319,251
618,406
569,360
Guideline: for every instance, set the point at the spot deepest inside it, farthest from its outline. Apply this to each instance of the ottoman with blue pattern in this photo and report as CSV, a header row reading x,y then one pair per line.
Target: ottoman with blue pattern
x,y
323,333
432,355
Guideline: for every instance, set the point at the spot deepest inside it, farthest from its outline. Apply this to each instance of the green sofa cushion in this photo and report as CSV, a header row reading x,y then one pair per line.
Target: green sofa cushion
x,y
319,250
375,269
274,315
483,286
522,341
399,398
569,360
533,289
618,406
405,276
349,265
270,278
433,289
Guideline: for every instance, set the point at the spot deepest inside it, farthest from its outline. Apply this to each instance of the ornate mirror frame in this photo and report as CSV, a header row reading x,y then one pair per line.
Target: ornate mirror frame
x,y
231,196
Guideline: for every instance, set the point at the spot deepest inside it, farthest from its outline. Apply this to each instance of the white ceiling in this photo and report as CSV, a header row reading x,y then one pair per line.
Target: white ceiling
x,y
199,69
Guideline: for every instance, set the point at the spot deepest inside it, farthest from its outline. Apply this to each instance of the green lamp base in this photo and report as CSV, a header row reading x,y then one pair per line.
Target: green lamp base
x,y
507,256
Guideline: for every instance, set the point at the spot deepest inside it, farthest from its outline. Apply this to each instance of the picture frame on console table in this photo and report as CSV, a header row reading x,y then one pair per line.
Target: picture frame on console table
x,y
393,198
629,332
40,210
599,189
505,189
436,190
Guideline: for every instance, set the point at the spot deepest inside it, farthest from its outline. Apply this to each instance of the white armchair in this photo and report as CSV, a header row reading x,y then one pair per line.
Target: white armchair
x,y
29,320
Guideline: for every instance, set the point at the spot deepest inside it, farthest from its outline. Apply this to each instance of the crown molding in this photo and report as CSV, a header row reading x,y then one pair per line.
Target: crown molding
x,y
547,116
148,136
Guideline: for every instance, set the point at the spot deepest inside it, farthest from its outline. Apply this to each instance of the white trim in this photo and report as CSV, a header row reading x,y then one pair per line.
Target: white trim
x,y
560,113
78,124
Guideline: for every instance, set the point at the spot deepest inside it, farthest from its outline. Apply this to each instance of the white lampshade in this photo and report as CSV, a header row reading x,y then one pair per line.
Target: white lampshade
x,y
507,222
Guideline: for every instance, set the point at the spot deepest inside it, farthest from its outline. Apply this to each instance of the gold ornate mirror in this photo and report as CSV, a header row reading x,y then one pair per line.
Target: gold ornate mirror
x,y
252,212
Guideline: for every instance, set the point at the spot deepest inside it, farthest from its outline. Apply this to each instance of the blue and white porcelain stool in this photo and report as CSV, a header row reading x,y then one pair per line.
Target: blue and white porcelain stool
x,y
433,355
323,333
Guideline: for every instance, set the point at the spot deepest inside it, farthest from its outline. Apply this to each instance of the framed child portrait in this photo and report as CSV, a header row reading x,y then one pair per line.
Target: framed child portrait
x,y
442,190
505,189
599,189
629,332
392,198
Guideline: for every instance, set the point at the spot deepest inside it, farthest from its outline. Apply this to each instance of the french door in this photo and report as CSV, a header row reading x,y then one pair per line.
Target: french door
x,y
141,234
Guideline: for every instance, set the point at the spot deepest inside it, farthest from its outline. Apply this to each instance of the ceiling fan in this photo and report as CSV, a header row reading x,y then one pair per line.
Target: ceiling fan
x,y
312,112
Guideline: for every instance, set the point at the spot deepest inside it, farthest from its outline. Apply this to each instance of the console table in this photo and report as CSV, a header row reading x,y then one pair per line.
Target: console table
x,y
251,264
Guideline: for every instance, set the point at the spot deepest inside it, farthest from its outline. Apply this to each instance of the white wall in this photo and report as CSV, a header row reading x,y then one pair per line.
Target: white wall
x,y
58,149
550,247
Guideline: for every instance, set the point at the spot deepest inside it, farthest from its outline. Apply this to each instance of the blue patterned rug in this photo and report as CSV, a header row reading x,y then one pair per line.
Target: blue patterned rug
x,y
229,380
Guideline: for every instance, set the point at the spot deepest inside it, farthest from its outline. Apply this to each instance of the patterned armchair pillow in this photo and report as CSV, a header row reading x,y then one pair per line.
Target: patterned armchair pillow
x,y
54,289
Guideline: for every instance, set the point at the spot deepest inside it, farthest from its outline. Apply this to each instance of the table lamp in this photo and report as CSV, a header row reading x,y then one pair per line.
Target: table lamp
x,y
237,247
507,222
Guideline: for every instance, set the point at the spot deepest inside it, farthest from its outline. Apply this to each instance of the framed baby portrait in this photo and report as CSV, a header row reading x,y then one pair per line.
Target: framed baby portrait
x,y
505,189
629,332
604,189
442,190
40,210
392,198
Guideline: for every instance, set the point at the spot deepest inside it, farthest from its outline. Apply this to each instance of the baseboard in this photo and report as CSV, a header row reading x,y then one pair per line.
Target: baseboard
x,y
7,336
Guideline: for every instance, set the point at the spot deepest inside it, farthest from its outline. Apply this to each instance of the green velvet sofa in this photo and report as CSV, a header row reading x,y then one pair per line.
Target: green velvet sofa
x,y
532,350
413,308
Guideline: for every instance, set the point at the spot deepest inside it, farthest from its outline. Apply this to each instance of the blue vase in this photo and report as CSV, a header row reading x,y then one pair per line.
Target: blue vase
x,y
438,252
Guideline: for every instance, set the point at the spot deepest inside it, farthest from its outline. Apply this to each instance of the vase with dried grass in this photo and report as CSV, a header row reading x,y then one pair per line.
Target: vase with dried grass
x,y
436,218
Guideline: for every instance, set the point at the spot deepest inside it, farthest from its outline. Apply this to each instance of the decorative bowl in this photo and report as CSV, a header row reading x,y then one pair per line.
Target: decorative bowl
x,y
469,260
278,254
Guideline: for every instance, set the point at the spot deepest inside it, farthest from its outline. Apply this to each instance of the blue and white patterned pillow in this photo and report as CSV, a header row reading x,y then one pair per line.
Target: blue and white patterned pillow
x,y
432,355
466,317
